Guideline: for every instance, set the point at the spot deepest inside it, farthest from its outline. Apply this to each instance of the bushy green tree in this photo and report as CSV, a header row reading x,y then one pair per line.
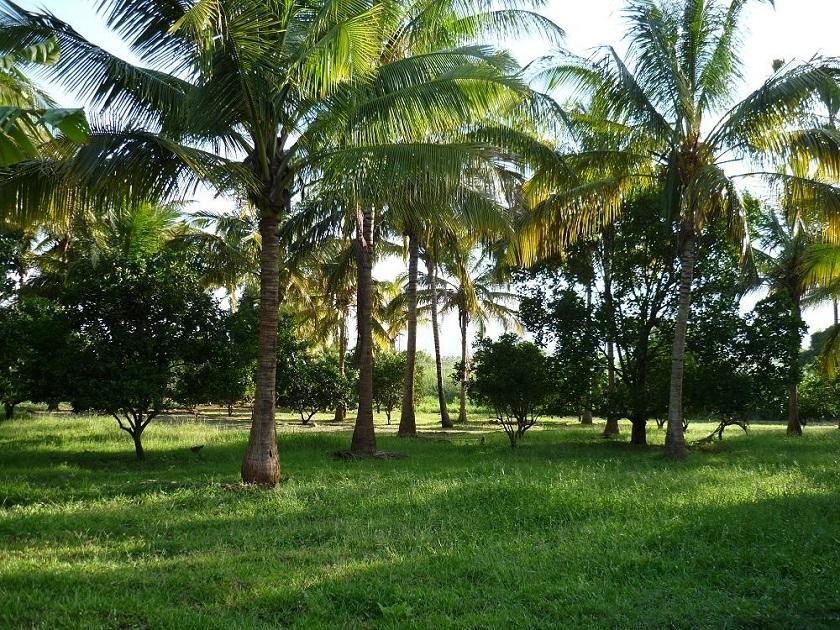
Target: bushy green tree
x,y
313,384
774,343
819,394
511,377
34,353
220,369
560,319
389,370
139,323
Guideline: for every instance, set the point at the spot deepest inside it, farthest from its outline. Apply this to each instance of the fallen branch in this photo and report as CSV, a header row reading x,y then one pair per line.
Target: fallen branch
x,y
718,432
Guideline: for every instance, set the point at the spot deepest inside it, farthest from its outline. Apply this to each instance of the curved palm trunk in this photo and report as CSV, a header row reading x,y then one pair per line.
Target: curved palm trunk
x,y
445,420
465,368
364,436
340,409
675,436
262,462
408,420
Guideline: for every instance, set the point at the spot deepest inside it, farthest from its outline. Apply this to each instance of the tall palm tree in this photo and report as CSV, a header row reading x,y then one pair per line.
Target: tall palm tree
x,y
470,208
784,240
669,115
251,96
431,257
431,147
472,289
209,89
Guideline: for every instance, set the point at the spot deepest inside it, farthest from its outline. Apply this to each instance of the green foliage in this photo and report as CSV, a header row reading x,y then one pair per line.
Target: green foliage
x,y
512,378
819,394
559,318
774,344
138,326
35,359
220,366
389,381
310,384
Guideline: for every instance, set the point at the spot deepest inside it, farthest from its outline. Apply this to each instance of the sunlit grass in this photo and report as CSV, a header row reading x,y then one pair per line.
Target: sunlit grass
x,y
570,530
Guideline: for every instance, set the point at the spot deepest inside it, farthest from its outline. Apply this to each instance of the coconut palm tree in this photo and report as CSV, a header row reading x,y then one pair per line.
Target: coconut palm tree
x,y
29,118
669,114
784,240
250,96
209,88
473,288
431,148
470,208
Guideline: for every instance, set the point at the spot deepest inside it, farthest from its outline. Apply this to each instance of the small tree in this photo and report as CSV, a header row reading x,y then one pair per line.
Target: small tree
x,y
221,368
313,384
388,381
139,323
512,378
34,364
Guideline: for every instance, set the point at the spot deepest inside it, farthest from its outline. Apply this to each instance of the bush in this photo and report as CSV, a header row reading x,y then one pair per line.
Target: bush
x,y
819,395
34,358
137,325
511,377
389,380
311,384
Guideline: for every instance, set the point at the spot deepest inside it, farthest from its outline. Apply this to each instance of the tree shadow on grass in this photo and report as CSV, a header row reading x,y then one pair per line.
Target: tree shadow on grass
x,y
522,555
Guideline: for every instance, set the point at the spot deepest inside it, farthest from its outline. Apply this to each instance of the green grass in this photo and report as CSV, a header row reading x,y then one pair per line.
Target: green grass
x,y
569,531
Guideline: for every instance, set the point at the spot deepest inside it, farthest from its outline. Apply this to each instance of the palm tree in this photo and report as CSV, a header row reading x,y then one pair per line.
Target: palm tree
x,y
434,107
669,117
430,260
470,208
29,118
260,114
210,89
472,289
784,240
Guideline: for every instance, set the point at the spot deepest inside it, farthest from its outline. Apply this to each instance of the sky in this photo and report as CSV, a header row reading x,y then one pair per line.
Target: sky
x,y
794,29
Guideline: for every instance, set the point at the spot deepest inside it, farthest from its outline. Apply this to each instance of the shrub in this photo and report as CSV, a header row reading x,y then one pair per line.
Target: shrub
x,y
511,377
138,324
311,384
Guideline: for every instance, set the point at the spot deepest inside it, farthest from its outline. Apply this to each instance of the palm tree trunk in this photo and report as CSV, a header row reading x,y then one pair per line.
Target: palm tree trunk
x,y
445,420
836,312
262,461
364,436
408,420
675,436
340,409
586,416
465,368
794,425
611,428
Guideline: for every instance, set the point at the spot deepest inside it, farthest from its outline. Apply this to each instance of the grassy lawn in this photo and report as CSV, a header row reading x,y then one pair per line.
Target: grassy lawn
x,y
568,531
